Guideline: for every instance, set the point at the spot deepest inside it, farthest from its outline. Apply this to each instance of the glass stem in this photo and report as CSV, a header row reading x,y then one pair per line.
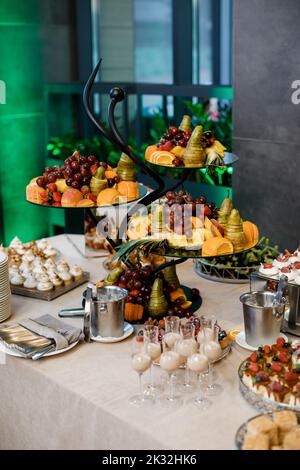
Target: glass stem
x,y
171,385
141,386
151,377
210,375
187,375
200,390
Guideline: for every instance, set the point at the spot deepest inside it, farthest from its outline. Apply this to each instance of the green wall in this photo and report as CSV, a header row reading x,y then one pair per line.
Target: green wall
x,y
21,119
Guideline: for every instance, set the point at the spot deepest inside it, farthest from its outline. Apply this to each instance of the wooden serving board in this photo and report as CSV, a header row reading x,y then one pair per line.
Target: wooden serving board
x,y
53,294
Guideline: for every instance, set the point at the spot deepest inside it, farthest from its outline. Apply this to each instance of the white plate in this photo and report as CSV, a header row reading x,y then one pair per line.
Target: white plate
x,y
7,351
128,330
240,339
3,258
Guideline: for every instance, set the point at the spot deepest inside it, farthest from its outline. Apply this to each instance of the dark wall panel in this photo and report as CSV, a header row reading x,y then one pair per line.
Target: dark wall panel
x,y
266,122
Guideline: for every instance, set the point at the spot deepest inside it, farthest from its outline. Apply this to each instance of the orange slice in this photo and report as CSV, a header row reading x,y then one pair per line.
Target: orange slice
x,y
232,334
162,157
186,304
178,151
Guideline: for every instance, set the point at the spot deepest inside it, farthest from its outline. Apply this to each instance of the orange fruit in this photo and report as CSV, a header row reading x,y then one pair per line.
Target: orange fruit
x,y
186,304
232,334
162,157
217,246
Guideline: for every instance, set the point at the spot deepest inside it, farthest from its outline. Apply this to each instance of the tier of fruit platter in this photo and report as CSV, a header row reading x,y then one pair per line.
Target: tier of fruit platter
x,y
152,292
182,226
86,182
186,147
238,267
287,263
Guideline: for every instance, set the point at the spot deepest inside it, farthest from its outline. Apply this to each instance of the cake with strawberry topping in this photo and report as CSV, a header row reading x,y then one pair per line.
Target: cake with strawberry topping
x,y
273,371
287,263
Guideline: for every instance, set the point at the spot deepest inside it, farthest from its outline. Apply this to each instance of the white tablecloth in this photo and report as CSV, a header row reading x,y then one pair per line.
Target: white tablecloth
x,y
79,400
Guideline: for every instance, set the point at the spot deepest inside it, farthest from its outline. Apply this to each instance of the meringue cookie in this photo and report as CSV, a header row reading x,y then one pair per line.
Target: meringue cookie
x,y
30,282
56,281
25,266
12,271
267,270
17,280
76,272
45,286
39,270
28,256
42,244
42,277
66,277
62,266
49,264
37,261
15,243
50,252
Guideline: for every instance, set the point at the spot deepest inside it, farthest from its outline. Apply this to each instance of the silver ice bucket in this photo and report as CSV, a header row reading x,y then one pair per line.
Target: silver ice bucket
x,y
262,319
104,312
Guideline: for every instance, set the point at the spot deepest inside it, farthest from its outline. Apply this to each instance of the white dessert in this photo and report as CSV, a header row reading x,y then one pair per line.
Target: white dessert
x,y
45,286
25,267
42,244
297,280
170,339
12,271
66,277
169,361
268,270
141,362
17,280
15,243
39,271
186,347
154,350
212,350
30,282
49,264
28,256
281,262
62,266
76,272
50,252
197,363
56,281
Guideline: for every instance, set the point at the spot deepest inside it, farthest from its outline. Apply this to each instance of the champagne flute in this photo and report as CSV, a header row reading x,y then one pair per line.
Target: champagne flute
x,y
211,348
140,361
186,346
198,363
172,332
153,349
169,362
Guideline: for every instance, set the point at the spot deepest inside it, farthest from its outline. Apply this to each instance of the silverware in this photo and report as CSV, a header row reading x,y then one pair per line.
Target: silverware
x,y
42,353
71,313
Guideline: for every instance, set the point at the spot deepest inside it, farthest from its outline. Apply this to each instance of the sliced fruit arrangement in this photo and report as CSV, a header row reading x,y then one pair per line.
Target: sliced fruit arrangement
x,y
223,337
151,293
194,224
183,146
84,182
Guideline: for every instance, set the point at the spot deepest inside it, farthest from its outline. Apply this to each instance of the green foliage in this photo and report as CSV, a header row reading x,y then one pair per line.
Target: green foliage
x,y
219,123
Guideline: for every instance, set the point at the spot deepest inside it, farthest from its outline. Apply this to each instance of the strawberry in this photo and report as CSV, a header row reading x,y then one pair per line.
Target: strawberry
x,y
52,187
139,339
286,269
122,285
44,195
267,349
283,357
253,357
297,265
92,197
56,196
280,342
276,367
207,211
254,367
276,386
135,293
268,265
291,376
167,146
94,168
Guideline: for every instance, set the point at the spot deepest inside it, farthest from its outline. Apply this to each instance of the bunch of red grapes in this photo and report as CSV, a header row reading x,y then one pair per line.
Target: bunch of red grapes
x,y
174,136
77,171
173,211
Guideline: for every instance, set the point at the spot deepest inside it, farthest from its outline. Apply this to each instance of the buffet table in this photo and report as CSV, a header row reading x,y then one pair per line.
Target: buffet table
x,y
79,400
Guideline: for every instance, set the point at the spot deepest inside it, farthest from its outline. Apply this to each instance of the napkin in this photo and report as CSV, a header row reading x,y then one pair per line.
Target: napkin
x,y
45,330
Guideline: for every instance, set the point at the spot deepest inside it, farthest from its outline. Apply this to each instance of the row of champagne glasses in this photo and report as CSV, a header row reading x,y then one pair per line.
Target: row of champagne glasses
x,y
180,348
